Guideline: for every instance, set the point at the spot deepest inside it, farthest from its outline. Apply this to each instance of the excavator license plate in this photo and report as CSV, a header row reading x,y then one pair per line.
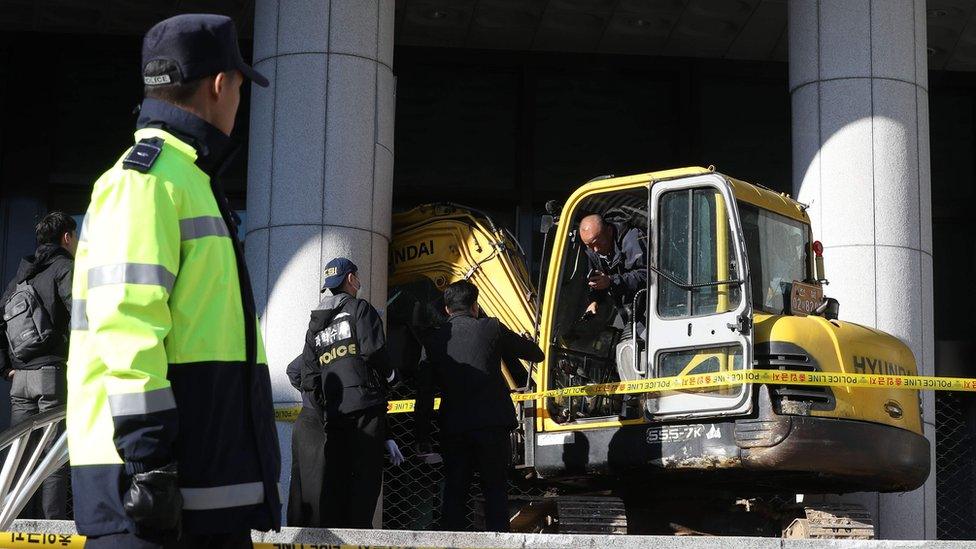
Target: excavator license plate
x,y
804,298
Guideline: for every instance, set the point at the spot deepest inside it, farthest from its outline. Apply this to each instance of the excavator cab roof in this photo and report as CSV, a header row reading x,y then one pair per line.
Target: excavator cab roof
x,y
751,193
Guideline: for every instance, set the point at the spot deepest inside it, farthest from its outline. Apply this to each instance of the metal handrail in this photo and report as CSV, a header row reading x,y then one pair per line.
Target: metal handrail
x,y
633,333
20,479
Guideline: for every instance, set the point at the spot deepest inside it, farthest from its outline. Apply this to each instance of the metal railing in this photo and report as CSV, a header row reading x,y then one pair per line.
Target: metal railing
x,y
35,448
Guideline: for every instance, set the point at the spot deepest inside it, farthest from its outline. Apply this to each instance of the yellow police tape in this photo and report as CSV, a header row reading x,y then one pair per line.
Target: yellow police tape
x,y
16,540
718,379
26,540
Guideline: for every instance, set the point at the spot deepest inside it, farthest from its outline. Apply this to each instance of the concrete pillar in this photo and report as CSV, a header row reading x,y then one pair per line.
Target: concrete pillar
x,y
858,79
320,164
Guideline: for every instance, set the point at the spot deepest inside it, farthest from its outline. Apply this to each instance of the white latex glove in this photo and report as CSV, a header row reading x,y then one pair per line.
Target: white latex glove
x,y
394,452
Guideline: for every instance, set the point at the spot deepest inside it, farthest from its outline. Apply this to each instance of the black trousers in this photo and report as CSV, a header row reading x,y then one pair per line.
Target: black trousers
x,y
307,470
487,451
353,468
33,392
234,540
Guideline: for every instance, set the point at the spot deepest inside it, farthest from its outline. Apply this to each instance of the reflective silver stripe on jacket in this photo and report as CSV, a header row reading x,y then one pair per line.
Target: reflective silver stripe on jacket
x,y
199,227
82,235
79,314
131,273
128,404
222,497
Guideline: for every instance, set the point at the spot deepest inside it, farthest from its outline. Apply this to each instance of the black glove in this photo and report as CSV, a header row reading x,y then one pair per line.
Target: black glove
x,y
153,500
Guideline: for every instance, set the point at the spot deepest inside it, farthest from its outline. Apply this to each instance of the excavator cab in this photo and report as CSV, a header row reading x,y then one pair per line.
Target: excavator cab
x,y
693,315
584,349
728,265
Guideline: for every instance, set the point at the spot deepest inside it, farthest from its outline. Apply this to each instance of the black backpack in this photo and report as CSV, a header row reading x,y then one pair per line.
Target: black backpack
x,y
28,325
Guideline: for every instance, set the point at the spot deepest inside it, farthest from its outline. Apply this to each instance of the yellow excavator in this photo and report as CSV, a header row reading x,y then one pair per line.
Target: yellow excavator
x,y
735,282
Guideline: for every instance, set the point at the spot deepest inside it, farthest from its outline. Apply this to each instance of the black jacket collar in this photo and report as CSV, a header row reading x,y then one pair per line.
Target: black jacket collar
x,y
41,258
212,145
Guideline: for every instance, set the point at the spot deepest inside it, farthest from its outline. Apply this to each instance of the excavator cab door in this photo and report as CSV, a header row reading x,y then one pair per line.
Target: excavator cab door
x,y
699,311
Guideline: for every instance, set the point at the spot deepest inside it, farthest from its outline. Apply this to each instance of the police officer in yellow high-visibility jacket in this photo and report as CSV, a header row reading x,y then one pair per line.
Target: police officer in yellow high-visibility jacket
x,y
170,419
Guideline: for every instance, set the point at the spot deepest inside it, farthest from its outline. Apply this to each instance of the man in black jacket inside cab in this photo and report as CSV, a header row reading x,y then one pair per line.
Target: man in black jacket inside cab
x,y
476,414
345,373
34,341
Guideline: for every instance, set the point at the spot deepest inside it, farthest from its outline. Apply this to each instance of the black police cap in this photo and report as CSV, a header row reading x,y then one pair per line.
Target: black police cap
x,y
335,272
198,45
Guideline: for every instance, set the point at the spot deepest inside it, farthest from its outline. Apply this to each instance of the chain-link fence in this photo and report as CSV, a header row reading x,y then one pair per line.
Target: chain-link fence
x,y
412,492
955,466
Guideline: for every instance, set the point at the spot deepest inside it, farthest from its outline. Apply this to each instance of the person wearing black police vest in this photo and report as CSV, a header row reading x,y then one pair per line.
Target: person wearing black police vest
x,y
347,371
34,334
170,418
308,456
477,414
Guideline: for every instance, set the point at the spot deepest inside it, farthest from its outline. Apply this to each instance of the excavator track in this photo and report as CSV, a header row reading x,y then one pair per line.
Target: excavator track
x,y
590,515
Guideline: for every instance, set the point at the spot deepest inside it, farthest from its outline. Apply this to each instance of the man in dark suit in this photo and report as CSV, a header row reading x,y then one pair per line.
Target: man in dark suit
x,y
476,414
345,373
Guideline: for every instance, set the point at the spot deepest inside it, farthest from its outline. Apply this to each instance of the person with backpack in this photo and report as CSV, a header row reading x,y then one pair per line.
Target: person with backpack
x,y
34,341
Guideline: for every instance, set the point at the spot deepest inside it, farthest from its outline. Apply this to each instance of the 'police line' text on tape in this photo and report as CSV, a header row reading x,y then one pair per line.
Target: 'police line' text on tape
x,y
719,379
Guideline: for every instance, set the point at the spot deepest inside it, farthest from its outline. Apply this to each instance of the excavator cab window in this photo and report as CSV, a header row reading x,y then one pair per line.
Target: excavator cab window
x,y
695,245
779,253
583,349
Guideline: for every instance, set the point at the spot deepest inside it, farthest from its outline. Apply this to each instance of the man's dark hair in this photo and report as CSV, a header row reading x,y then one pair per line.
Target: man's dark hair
x,y
178,93
52,226
460,296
